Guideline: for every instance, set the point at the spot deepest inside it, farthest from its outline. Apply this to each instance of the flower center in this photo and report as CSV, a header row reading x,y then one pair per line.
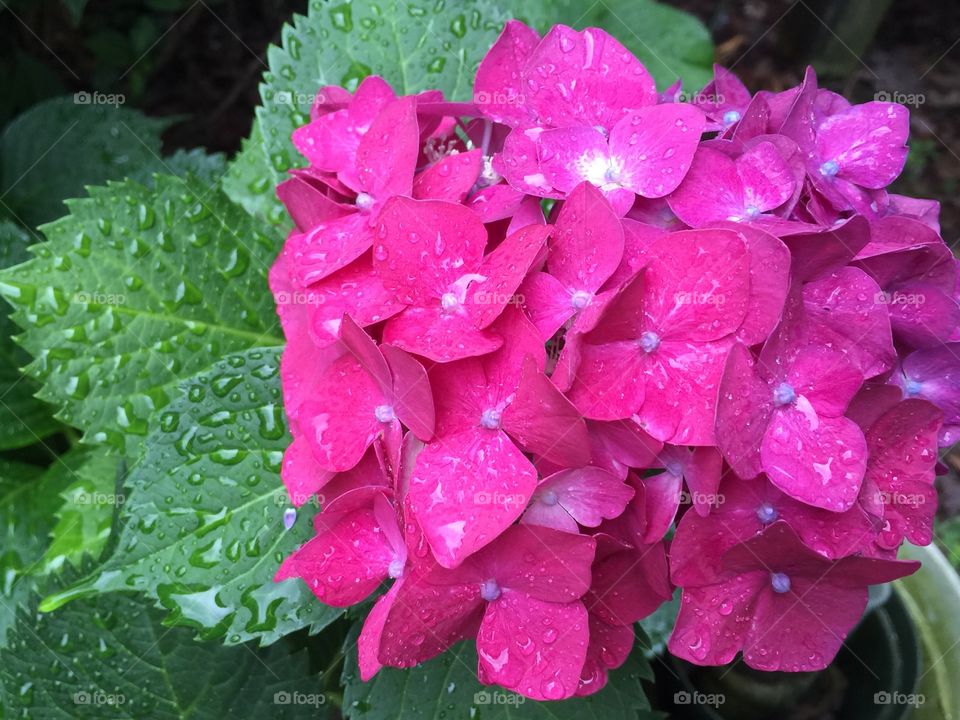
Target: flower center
x,y
730,117
784,394
395,569
780,582
489,590
830,168
449,302
751,212
649,341
490,418
548,497
384,413
580,299
364,201
912,388
767,513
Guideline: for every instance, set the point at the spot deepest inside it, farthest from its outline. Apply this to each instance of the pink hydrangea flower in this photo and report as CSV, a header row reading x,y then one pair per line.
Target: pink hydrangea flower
x,y
532,335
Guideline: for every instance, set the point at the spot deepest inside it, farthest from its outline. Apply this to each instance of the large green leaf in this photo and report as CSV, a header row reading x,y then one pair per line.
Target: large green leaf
x,y
203,528
86,515
51,151
137,289
111,658
670,42
23,418
28,500
414,44
447,687
251,180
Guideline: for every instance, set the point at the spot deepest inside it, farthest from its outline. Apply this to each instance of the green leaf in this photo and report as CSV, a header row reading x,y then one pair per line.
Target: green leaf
x,y
29,498
112,658
137,289
85,518
208,169
659,625
413,45
447,686
52,150
670,42
203,527
23,418
251,181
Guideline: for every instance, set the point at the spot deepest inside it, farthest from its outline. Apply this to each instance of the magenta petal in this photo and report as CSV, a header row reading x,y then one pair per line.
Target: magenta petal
x,y
708,632
817,460
307,205
366,352
867,141
547,302
825,250
769,284
387,154
411,392
533,647
656,145
934,374
544,422
328,247
450,178
629,585
587,244
767,179
702,474
609,381
368,644
442,240
468,488
300,473
437,335
585,496
570,156
498,87
744,407
711,191
343,564
610,645
584,78
503,270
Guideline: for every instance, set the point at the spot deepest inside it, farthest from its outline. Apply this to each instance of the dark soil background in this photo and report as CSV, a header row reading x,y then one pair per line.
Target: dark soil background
x,y
200,61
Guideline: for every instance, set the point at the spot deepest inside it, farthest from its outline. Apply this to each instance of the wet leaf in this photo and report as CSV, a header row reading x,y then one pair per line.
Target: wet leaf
x,y
137,289
112,658
203,529
447,686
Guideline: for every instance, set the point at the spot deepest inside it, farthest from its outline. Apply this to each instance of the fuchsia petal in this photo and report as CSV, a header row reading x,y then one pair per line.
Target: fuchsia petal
x,y
769,283
328,247
610,645
934,374
655,146
344,562
587,243
411,392
711,191
584,78
547,302
867,141
502,271
368,644
570,156
745,404
817,460
450,178
533,647
443,240
307,205
340,419
767,179
467,489
544,422
387,154
439,336
498,87
824,251
300,473
585,496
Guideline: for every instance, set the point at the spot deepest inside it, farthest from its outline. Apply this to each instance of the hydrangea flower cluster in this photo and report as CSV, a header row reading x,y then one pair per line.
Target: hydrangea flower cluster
x,y
530,335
